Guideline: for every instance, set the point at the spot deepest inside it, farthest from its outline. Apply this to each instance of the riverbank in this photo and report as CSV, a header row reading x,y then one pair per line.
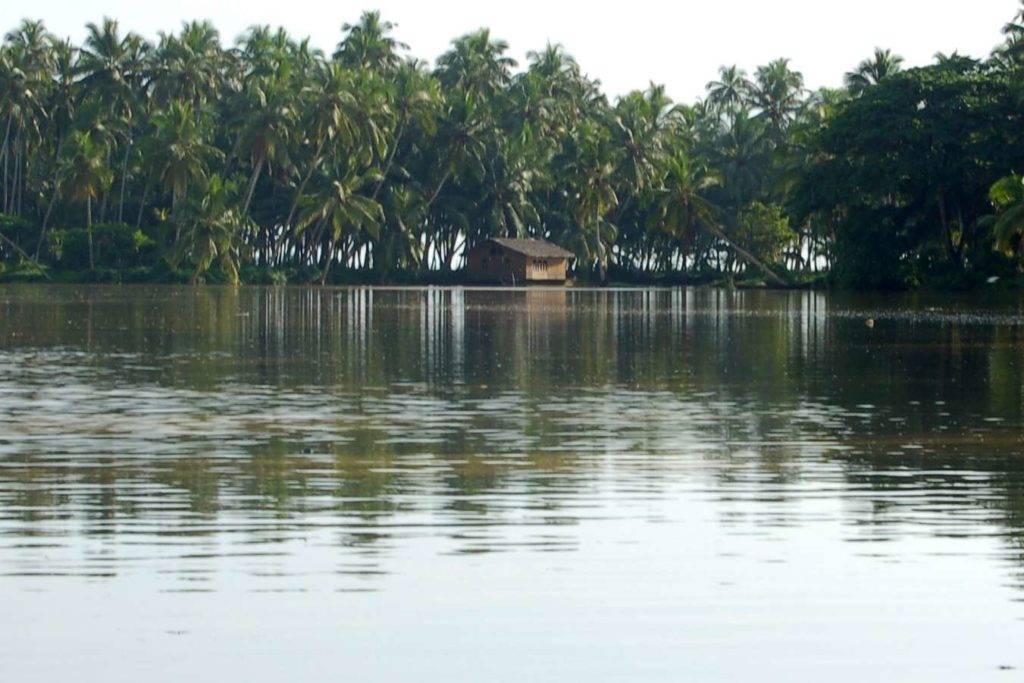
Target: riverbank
x,y
162,273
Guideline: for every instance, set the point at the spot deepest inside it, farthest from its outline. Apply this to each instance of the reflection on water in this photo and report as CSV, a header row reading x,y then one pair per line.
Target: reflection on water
x,y
735,462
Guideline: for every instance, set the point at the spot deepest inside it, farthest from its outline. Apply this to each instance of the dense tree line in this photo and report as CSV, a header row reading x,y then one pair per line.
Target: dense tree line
x,y
270,160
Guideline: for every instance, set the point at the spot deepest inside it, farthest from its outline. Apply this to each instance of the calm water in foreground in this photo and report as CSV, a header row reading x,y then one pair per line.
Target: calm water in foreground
x,y
544,485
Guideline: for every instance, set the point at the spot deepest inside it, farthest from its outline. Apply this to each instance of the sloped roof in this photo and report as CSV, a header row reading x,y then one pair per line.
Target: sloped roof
x,y
534,248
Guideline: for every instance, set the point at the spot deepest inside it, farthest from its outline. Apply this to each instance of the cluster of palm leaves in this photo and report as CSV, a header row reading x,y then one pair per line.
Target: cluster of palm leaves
x,y
274,155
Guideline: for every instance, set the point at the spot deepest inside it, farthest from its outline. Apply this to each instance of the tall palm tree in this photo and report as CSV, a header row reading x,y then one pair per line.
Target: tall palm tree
x,y
62,108
189,67
86,176
113,68
335,113
180,152
873,71
341,206
266,115
730,91
213,232
412,102
25,65
778,92
593,197
476,63
368,44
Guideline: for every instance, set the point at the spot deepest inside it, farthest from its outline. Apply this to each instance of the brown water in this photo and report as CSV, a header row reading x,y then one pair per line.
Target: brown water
x,y
544,485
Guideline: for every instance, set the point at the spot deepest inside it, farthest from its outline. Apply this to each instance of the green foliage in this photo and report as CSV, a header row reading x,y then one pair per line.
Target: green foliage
x,y
183,160
904,171
1007,225
764,230
115,246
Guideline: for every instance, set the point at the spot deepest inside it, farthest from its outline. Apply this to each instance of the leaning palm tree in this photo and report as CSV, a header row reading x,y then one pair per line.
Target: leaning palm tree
x,y
880,66
682,209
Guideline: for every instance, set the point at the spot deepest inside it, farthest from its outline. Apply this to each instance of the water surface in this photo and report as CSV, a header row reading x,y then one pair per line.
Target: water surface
x,y
447,484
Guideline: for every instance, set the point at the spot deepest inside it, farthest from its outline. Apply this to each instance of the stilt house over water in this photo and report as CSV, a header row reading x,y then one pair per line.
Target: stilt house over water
x,y
518,261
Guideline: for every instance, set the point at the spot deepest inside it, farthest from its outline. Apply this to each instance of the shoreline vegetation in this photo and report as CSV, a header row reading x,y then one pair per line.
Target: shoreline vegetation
x,y
272,162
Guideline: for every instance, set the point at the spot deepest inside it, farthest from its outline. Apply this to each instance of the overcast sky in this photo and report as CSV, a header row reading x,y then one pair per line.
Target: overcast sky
x,y
624,43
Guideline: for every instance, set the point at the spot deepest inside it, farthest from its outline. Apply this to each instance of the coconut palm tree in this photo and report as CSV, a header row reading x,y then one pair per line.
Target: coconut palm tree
x,y
683,211
25,65
62,108
873,71
730,91
189,67
86,176
340,206
476,63
592,199
368,44
213,231
335,113
180,152
113,68
266,117
777,93
1013,48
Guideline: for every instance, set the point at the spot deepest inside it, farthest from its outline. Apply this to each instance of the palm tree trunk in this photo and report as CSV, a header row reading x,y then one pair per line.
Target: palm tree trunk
x,y
174,214
746,256
19,250
4,151
391,160
440,186
142,204
330,260
88,229
46,220
252,186
124,180
53,197
16,185
302,186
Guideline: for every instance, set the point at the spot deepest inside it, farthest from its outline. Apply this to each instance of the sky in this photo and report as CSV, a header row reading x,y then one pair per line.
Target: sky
x,y
625,44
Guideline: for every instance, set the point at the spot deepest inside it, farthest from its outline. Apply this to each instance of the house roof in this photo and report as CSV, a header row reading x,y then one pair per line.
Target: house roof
x,y
534,248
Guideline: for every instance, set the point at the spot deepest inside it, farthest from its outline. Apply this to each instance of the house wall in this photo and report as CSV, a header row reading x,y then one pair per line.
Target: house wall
x,y
493,263
546,269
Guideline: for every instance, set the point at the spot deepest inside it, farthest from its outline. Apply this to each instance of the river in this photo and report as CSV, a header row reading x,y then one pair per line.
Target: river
x,y
265,484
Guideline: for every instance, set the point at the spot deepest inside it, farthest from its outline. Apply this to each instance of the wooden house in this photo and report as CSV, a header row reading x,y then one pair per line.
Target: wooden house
x,y
518,261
